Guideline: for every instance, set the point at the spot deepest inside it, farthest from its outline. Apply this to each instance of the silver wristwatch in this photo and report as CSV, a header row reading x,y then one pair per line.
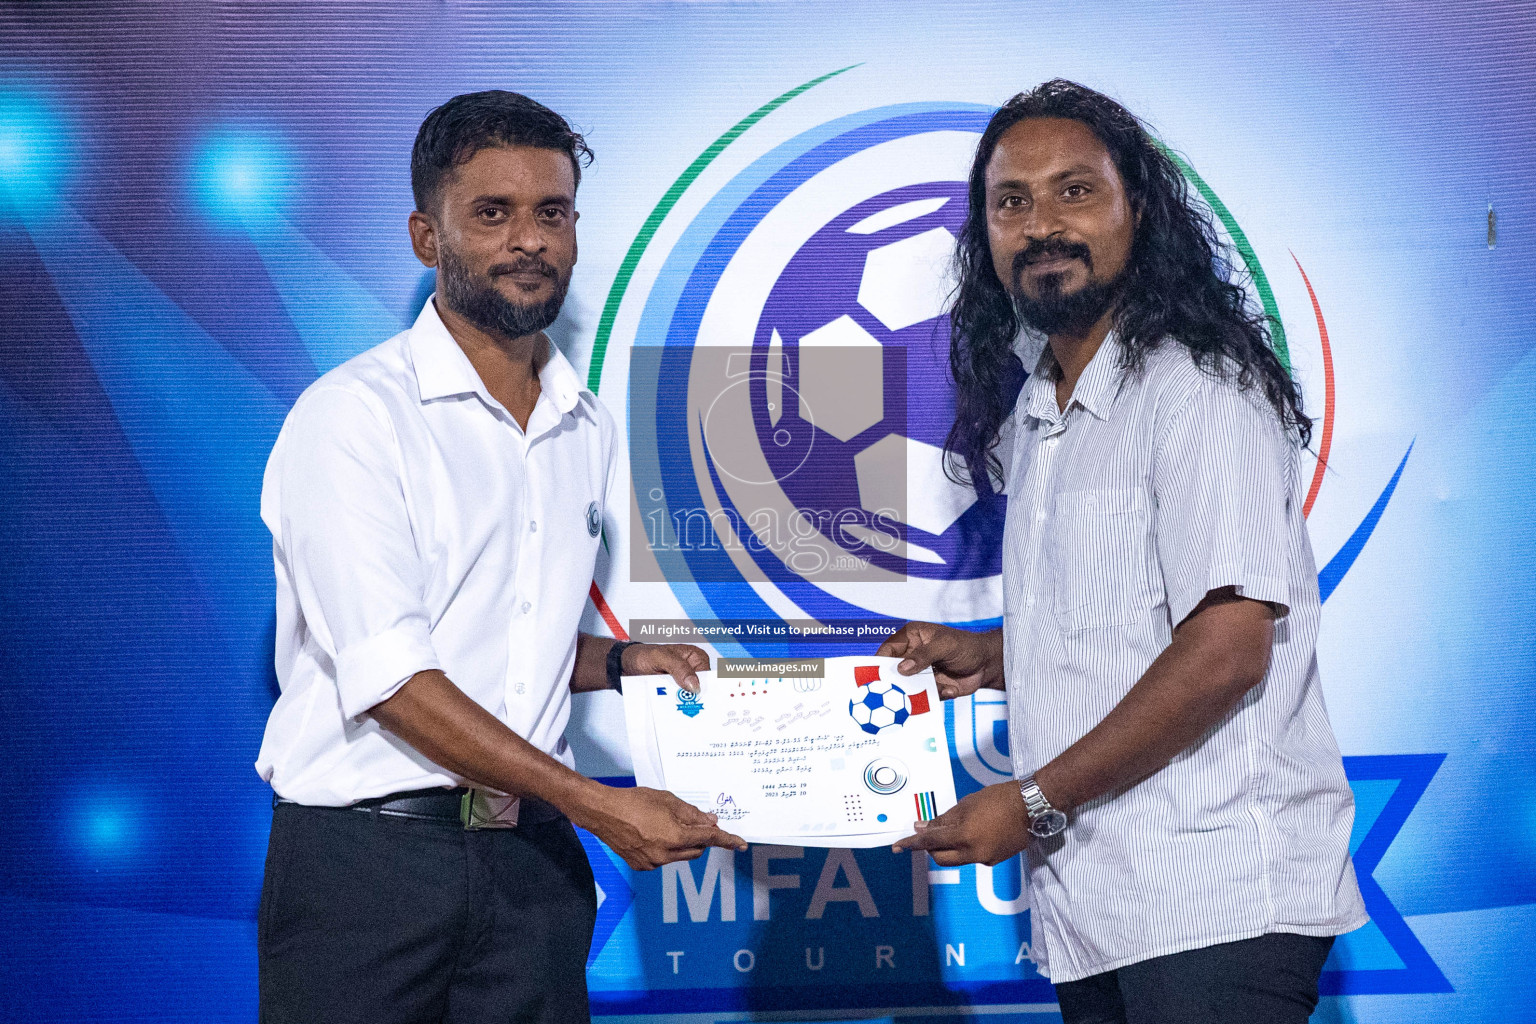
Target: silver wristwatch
x,y
1044,820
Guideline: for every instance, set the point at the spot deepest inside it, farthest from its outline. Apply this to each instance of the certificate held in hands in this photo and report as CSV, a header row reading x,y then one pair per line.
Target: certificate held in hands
x,y
797,751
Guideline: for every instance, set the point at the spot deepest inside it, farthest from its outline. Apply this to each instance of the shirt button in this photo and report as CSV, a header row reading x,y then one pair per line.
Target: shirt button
x,y
520,688
527,607
1050,442
533,526
1030,600
1040,515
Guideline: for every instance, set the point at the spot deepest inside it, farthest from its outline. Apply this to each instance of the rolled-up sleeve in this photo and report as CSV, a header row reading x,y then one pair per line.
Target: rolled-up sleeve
x,y
1221,480
335,502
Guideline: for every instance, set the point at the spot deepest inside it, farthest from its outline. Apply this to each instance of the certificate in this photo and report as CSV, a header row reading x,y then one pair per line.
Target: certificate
x,y
823,752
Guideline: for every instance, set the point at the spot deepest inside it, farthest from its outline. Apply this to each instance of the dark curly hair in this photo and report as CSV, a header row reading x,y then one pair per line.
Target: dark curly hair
x,y
1180,283
468,123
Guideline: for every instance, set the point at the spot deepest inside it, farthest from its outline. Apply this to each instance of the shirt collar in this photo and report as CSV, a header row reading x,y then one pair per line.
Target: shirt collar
x,y
442,368
1096,389
558,381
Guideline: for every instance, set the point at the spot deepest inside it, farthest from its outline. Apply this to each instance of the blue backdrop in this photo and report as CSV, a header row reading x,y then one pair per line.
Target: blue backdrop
x,y
202,207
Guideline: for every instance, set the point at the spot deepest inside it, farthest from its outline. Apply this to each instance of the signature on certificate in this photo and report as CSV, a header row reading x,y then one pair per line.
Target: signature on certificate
x,y
800,713
746,718
726,808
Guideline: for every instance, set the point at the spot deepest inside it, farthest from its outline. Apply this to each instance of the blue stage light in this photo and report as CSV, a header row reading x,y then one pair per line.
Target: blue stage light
x,y
105,834
106,830
33,147
241,176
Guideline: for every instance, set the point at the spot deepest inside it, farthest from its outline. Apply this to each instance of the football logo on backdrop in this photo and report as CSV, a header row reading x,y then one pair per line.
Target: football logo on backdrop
x,y
847,394
795,351
789,398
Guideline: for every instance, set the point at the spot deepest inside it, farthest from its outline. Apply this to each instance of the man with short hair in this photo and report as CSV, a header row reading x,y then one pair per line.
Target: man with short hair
x,y
1181,798
436,507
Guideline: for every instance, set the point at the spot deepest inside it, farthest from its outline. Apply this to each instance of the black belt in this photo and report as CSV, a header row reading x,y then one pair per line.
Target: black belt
x,y
441,805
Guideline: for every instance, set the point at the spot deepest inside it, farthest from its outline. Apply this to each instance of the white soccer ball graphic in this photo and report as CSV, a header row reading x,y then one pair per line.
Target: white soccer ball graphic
x,y
881,705
903,284
862,306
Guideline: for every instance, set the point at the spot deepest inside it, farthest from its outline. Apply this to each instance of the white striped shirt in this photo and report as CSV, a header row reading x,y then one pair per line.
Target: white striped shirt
x,y
1151,490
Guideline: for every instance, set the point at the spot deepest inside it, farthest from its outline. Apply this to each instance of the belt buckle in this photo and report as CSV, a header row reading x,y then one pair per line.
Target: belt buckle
x,y
479,809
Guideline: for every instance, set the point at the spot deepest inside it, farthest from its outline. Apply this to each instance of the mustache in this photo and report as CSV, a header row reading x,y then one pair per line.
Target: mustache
x,y
1050,248
522,265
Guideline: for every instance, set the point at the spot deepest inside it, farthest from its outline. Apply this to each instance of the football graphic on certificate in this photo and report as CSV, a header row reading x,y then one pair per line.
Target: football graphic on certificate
x,y
797,751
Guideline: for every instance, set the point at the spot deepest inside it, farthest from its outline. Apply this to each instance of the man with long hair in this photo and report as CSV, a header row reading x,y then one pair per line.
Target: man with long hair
x,y
1180,796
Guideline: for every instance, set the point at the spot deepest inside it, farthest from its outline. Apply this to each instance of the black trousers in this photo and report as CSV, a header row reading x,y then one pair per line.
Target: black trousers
x,y
380,919
1268,980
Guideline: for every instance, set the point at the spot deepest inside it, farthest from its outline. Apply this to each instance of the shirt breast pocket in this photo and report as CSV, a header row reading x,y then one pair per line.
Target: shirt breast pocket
x,y
1098,551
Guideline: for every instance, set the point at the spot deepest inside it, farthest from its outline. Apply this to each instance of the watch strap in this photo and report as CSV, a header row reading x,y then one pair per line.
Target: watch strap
x,y
1035,803
616,663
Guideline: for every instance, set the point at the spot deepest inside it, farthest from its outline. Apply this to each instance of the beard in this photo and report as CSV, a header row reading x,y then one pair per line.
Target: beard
x,y
478,301
1054,311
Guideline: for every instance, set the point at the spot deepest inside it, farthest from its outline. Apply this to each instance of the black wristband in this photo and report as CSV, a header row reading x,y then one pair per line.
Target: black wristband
x,y
616,662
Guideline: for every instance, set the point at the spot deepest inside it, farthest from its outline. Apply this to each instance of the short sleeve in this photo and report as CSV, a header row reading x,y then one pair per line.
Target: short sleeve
x,y
1221,482
615,484
334,500
614,537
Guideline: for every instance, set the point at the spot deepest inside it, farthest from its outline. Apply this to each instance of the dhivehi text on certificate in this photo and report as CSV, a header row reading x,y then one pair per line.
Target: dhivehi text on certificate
x,y
850,756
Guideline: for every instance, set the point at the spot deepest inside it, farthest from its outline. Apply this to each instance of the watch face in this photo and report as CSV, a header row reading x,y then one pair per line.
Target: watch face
x,y
1047,823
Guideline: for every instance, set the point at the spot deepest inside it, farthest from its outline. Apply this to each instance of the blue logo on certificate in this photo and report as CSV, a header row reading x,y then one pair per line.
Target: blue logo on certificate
x,y
688,702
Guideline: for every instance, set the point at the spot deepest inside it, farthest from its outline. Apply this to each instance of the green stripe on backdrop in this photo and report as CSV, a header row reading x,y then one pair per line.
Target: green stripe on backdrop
x,y
674,193
1245,250
664,207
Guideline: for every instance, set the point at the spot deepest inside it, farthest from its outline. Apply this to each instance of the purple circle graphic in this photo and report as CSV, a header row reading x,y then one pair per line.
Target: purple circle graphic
x,y
890,376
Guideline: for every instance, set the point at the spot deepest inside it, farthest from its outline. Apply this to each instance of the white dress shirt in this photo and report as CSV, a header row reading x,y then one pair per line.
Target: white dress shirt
x,y
415,526
1151,490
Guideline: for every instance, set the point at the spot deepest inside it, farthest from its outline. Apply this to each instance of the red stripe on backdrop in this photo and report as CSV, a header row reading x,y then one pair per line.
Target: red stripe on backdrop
x,y
1327,438
607,613
1323,447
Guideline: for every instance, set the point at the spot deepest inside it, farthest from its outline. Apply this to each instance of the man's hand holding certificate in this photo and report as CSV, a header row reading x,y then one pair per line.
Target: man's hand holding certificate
x,y
798,751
